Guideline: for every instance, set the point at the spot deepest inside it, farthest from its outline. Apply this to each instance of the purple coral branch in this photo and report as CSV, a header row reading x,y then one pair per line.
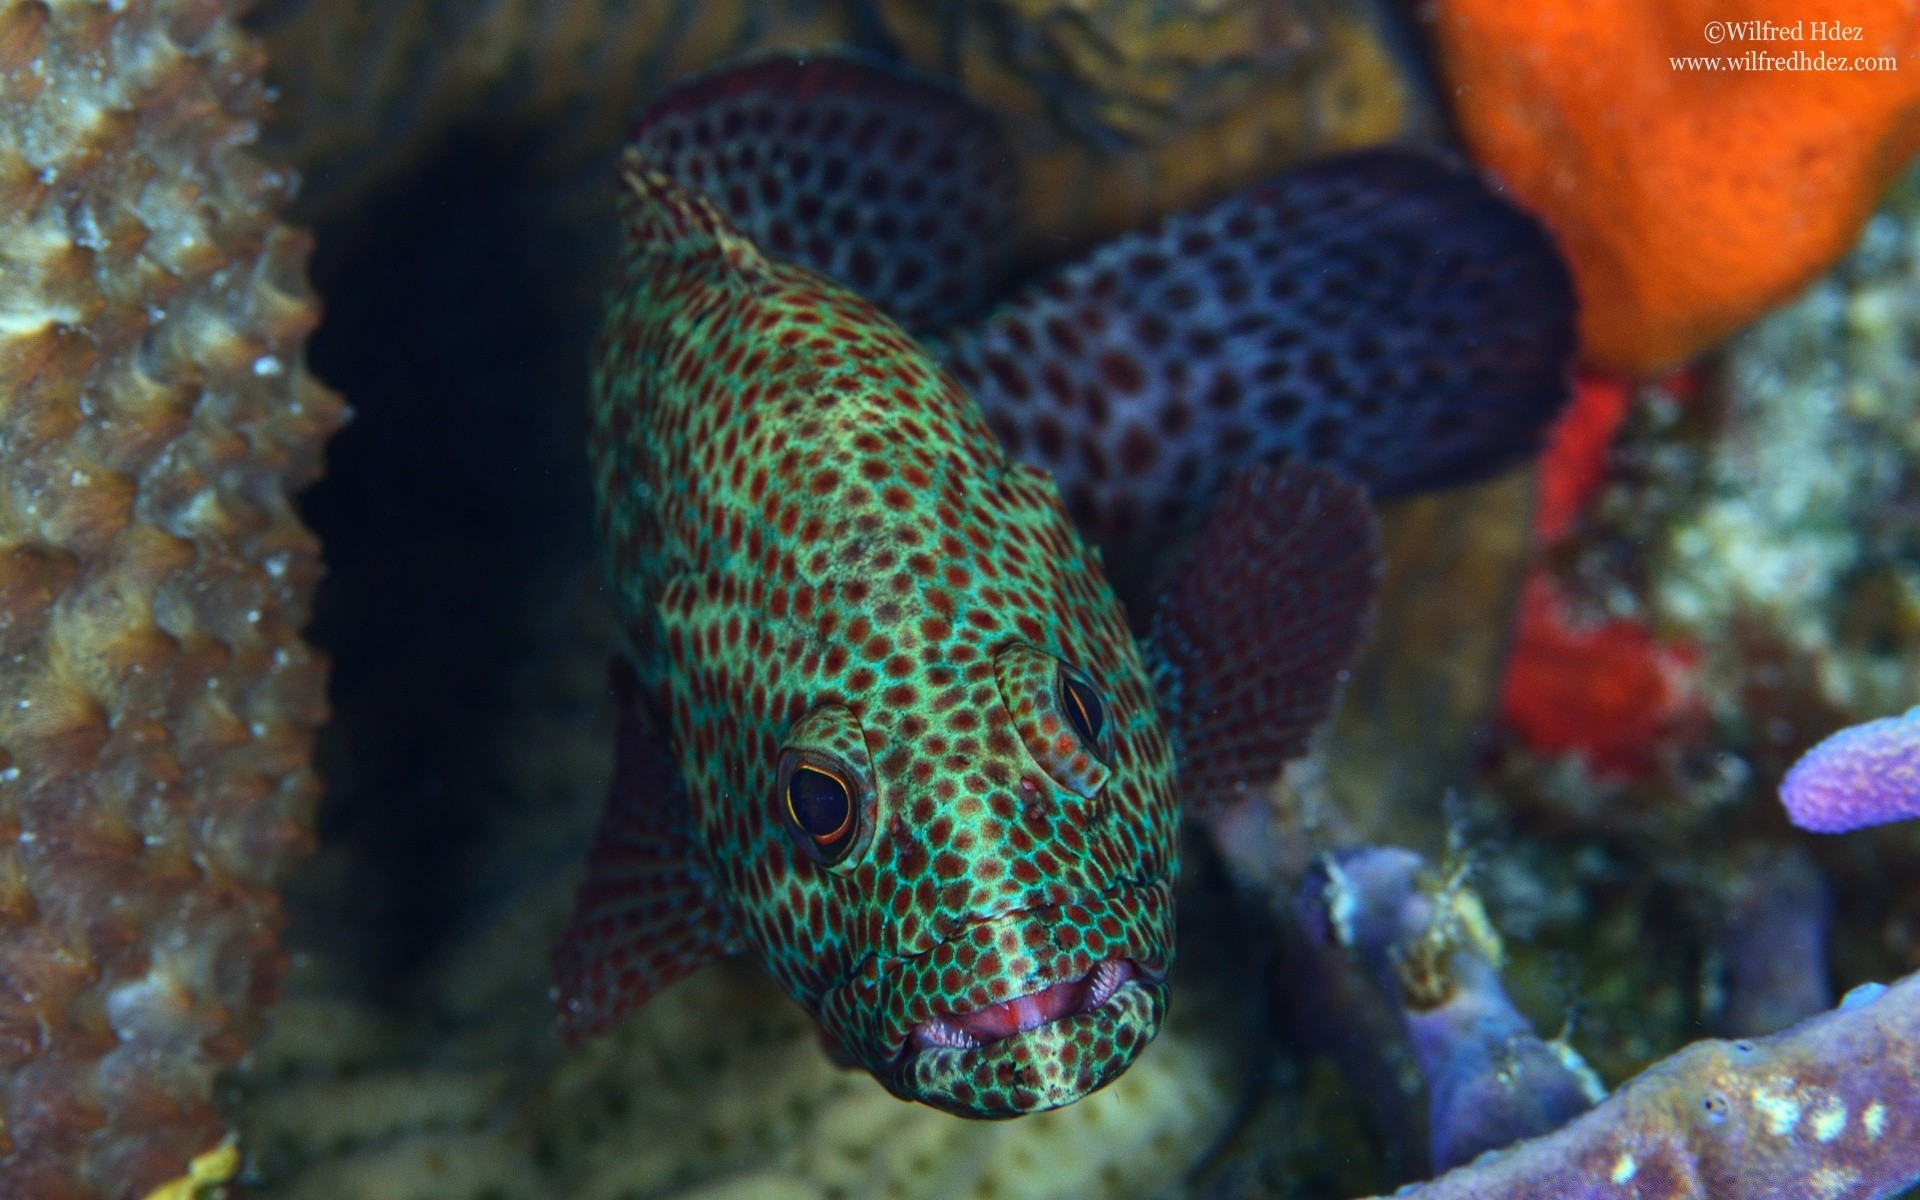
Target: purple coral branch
x,y
1863,775
1830,1108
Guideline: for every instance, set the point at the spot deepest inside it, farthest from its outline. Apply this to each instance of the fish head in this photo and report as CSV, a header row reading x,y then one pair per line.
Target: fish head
x,y
996,841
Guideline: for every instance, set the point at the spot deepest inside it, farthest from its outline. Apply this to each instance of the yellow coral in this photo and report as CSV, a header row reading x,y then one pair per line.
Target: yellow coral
x,y
206,1175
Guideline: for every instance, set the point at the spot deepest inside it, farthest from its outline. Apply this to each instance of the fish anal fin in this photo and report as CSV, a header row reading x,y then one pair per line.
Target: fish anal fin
x,y
1257,626
647,913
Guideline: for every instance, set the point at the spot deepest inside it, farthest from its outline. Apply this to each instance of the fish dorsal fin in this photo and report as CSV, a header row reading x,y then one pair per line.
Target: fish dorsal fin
x,y
667,224
647,913
888,181
1252,638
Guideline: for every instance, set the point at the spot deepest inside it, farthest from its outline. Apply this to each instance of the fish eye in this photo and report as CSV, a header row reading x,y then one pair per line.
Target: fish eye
x,y
1083,708
820,805
1061,715
824,791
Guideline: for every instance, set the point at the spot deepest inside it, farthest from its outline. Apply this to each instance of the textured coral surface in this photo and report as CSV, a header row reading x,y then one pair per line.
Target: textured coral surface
x,y
1826,1109
1688,199
158,704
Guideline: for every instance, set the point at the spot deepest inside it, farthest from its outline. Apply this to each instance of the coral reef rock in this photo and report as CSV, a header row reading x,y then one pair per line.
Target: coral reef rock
x,y
1801,532
370,88
1125,110
159,705
1121,110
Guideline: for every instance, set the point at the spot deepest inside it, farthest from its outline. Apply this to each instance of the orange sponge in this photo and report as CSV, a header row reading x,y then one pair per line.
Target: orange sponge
x,y
1699,160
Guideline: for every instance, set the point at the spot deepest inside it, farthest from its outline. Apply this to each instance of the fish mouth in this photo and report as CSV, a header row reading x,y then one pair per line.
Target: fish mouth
x,y
1018,1013
1037,1051
1005,1018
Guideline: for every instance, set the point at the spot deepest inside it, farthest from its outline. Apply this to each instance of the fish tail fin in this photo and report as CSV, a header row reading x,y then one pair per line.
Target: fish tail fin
x,y
665,223
1253,636
1384,313
647,913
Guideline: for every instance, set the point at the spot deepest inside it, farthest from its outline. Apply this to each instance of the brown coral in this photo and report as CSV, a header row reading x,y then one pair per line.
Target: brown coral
x,y
156,703
1125,110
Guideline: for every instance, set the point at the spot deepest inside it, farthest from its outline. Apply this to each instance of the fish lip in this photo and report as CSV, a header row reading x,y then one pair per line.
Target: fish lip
x,y
1046,1005
854,1004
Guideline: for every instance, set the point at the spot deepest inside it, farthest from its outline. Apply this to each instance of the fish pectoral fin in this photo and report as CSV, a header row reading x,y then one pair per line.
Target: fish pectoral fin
x,y
647,913
1253,636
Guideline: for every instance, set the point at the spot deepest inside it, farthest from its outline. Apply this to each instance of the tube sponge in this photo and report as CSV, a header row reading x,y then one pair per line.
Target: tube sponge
x,y
1863,775
1490,1079
157,705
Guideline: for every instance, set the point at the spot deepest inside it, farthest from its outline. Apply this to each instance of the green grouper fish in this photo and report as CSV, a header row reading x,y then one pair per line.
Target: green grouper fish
x,y
886,725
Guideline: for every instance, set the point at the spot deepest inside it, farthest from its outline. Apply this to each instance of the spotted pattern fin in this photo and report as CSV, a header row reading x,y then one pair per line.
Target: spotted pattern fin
x,y
1380,313
888,182
647,913
1252,638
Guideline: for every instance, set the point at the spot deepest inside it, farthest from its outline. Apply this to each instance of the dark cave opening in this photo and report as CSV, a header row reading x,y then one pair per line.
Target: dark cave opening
x,y
457,324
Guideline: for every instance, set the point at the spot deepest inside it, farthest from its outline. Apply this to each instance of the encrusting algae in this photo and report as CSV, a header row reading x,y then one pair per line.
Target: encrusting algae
x,y
1800,525
159,706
